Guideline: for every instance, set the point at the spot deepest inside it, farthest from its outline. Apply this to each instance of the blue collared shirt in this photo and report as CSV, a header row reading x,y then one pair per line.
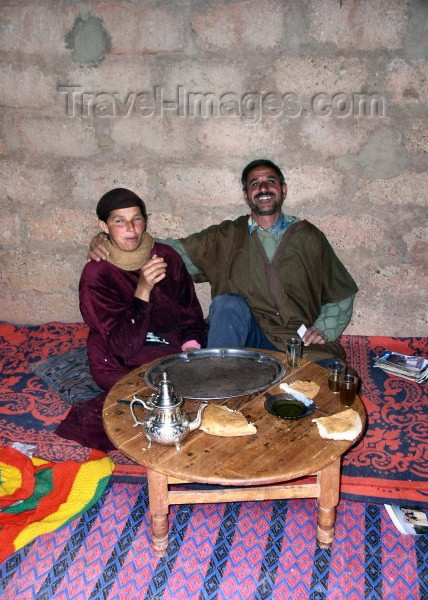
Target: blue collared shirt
x,y
277,229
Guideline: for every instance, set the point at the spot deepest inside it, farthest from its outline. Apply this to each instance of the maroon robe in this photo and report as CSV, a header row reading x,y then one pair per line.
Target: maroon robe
x,y
119,325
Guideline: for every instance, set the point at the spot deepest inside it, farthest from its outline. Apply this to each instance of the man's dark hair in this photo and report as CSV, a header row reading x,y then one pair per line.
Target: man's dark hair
x,y
117,199
260,162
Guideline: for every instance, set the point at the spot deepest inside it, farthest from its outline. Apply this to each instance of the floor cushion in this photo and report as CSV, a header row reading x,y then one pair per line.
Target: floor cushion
x,y
68,375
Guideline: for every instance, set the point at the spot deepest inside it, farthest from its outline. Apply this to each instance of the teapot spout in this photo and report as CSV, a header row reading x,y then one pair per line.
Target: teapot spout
x,y
196,423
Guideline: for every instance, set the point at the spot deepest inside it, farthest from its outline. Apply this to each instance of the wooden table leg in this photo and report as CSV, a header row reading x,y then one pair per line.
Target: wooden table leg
x,y
158,506
329,481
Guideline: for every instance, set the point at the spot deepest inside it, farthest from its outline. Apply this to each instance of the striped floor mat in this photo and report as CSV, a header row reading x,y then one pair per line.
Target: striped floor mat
x,y
238,551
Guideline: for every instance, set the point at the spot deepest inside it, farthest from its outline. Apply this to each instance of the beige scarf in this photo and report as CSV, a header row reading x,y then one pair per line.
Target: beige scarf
x,y
130,261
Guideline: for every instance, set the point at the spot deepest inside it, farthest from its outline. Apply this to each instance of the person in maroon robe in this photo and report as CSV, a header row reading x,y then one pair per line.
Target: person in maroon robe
x,y
140,305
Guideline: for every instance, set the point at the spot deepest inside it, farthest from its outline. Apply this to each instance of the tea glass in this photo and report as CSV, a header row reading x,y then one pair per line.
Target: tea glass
x,y
335,377
294,351
348,390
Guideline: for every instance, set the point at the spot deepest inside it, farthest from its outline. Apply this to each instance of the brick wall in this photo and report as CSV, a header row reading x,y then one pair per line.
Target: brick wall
x,y
172,99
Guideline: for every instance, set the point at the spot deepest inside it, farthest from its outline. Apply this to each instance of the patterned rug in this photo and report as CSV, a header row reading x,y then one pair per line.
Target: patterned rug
x,y
237,551
389,464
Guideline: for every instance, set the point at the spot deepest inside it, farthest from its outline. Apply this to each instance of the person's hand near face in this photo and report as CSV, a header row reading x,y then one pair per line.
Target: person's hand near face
x,y
97,250
151,273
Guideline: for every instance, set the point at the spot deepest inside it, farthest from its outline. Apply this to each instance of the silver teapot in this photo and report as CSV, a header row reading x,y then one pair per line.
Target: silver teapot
x,y
166,422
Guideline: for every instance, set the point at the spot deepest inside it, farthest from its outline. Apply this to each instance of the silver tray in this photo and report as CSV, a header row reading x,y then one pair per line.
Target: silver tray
x,y
217,373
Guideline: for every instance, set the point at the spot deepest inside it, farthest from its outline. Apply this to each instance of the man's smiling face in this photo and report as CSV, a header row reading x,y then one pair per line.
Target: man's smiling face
x,y
264,194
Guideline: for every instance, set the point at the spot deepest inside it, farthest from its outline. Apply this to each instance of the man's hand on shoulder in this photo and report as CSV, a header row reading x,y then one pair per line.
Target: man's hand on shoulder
x,y
97,250
314,335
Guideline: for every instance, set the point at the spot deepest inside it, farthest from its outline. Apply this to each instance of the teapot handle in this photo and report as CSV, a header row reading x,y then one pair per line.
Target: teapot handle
x,y
134,401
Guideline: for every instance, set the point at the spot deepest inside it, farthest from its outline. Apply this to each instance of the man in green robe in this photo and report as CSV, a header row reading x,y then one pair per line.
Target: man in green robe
x,y
269,273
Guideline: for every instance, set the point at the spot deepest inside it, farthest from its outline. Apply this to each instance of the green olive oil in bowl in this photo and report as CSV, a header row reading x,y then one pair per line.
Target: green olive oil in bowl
x,y
286,406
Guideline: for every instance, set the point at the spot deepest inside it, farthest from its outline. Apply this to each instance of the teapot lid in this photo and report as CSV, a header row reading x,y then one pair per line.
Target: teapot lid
x,y
166,397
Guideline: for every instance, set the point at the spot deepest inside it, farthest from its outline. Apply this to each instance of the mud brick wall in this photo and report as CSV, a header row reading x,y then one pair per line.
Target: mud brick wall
x,y
172,99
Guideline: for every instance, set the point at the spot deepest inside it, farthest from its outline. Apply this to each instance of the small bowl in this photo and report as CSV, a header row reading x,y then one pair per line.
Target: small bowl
x,y
286,406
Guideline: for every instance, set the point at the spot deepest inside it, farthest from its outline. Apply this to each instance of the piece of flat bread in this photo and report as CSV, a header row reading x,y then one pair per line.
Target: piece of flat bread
x,y
308,388
221,420
345,425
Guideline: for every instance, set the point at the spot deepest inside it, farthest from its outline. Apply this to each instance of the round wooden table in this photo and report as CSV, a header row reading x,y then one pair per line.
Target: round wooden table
x,y
255,467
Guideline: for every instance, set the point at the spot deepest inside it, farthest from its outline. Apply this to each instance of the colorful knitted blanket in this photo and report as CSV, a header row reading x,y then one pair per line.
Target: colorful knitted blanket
x,y
38,496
